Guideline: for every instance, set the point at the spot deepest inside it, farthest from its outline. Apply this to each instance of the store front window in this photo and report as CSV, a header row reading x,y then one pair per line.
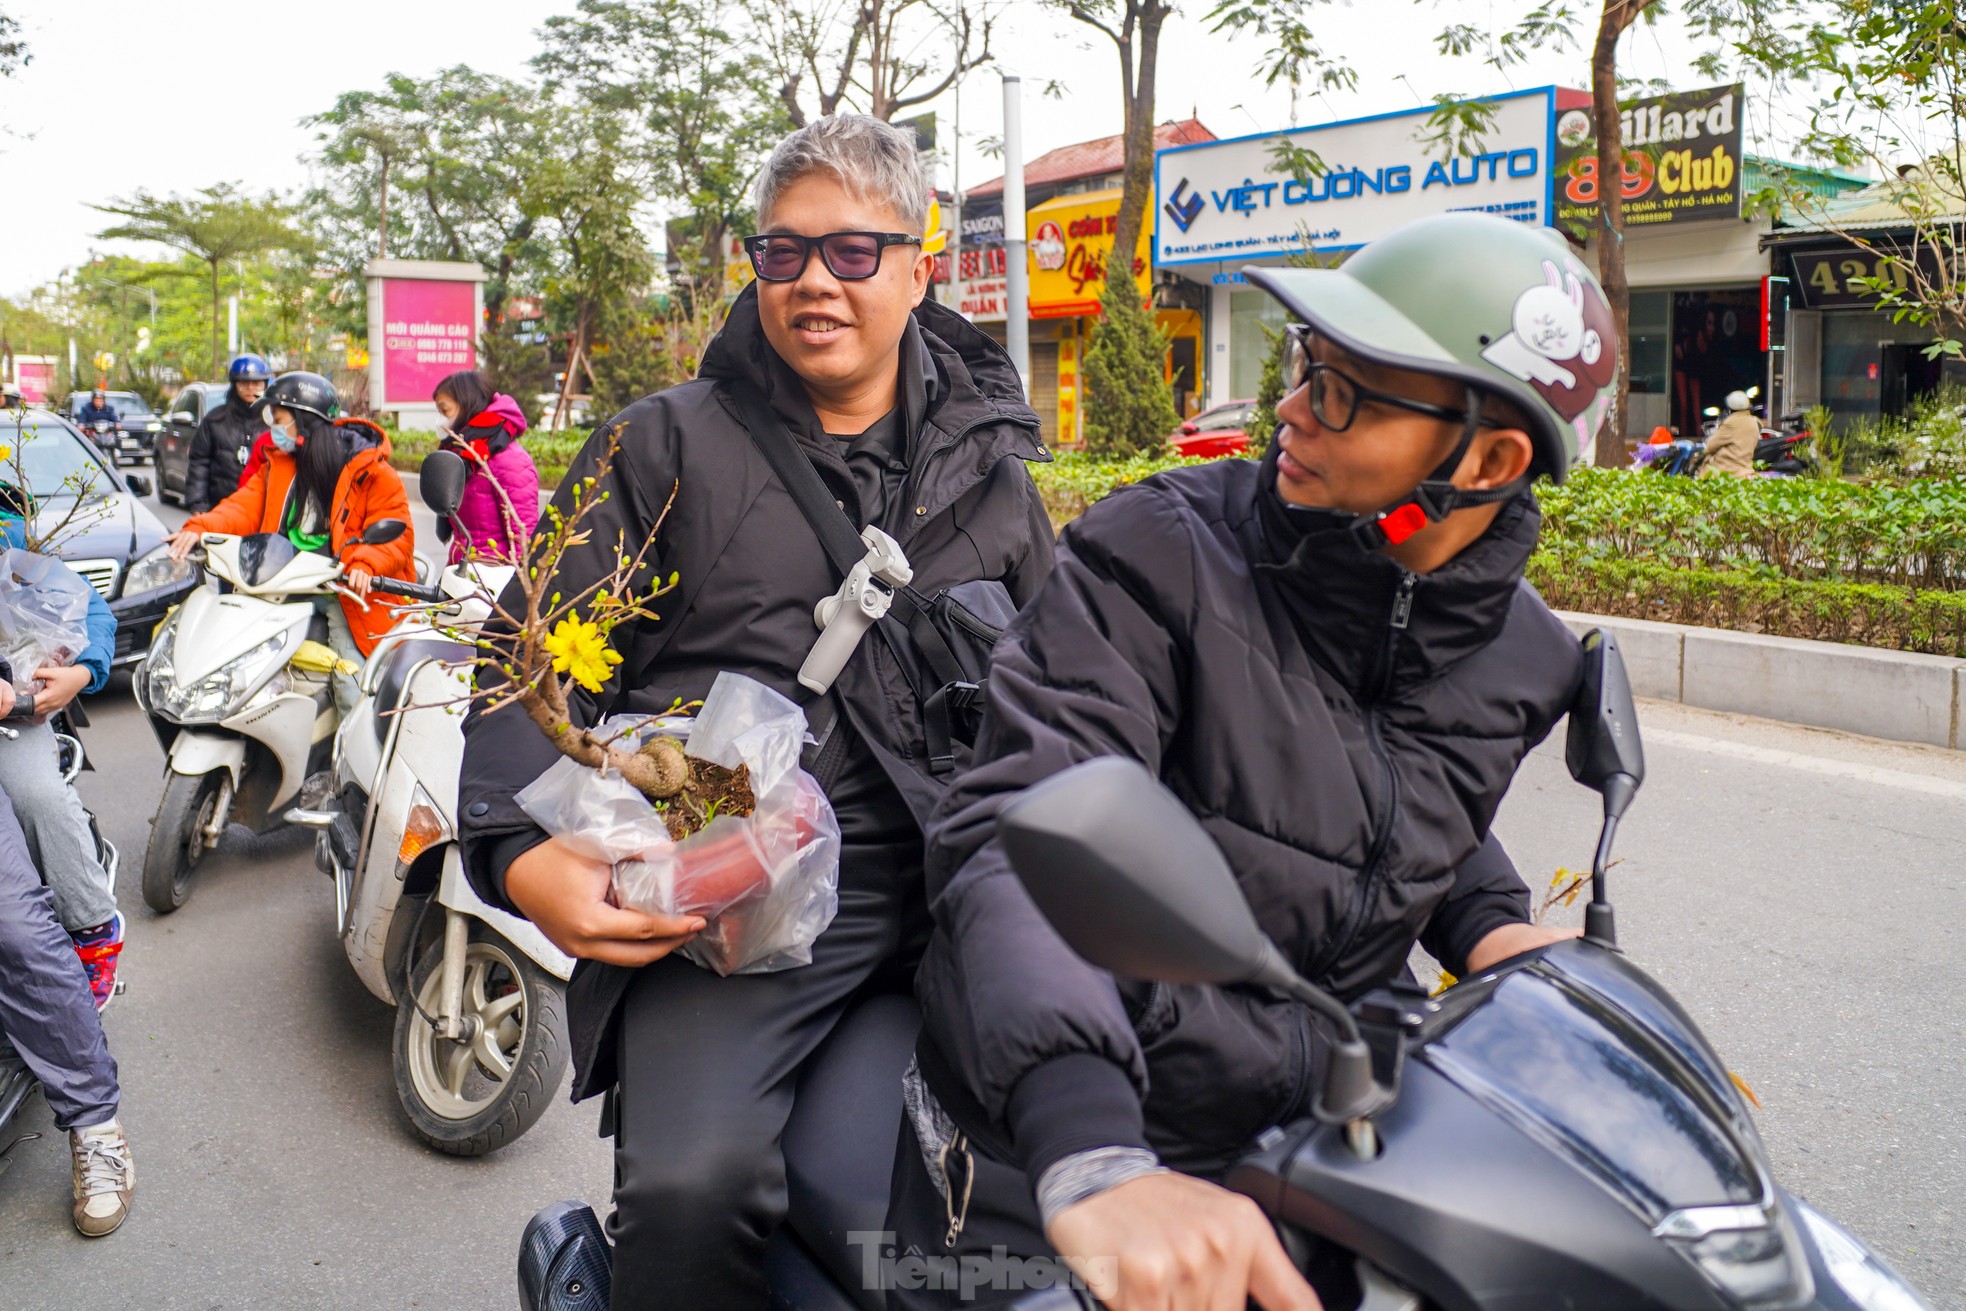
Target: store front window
x,y
1716,349
1650,403
1249,313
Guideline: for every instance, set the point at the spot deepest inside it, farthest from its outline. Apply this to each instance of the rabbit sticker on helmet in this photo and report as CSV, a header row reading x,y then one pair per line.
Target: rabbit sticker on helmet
x,y
1559,342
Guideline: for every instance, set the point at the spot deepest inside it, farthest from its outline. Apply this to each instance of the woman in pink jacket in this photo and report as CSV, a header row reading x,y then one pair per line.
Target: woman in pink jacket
x,y
484,427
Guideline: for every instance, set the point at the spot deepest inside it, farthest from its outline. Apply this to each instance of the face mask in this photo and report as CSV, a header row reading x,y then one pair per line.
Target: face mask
x,y
284,439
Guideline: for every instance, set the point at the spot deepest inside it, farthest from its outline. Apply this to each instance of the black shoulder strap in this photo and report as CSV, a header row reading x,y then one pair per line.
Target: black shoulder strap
x,y
775,442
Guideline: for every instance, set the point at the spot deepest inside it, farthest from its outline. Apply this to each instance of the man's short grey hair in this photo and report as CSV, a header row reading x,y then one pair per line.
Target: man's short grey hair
x,y
874,160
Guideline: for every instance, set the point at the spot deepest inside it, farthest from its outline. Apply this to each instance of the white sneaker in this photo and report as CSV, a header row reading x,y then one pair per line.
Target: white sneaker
x,y
105,1178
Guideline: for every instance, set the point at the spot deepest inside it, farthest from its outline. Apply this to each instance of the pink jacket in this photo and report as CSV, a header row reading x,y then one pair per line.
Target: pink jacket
x,y
482,523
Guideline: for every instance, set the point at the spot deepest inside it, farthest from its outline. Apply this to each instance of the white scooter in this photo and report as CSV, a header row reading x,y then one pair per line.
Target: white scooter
x,y
242,724
480,1044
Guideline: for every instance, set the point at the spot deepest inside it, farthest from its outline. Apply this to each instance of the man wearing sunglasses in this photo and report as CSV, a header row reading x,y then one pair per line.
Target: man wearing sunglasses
x,y
915,423
1332,657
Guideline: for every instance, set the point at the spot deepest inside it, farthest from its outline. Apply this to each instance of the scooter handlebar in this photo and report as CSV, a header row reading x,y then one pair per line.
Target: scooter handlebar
x,y
415,591
23,707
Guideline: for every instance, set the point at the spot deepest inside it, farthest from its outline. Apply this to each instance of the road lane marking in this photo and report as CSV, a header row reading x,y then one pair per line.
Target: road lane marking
x,y
1892,778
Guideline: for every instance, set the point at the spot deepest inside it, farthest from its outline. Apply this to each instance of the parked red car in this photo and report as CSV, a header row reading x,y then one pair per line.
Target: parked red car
x,y
1215,431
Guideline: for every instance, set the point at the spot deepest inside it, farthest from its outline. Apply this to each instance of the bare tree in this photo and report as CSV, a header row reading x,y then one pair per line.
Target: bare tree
x,y
878,56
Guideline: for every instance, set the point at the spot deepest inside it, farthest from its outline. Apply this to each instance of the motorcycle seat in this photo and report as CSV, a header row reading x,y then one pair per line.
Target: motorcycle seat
x,y
840,1142
394,680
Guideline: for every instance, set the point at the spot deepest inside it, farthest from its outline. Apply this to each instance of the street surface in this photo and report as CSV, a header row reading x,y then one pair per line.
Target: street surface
x,y
1801,892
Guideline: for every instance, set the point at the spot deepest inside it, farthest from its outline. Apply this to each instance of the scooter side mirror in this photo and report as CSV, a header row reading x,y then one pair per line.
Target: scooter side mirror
x,y
1603,744
1133,884
1605,754
383,531
1129,879
440,482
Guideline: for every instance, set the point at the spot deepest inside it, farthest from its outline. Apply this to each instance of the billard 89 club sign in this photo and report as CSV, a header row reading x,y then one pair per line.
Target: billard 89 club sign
x,y
1682,159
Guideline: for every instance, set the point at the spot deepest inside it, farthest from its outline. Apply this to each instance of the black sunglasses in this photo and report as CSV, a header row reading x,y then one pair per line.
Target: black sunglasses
x,y
1336,396
849,256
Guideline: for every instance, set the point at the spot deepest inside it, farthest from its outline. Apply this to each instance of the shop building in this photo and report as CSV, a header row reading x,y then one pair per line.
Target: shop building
x,y
1839,349
1227,204
1696,268
1072,201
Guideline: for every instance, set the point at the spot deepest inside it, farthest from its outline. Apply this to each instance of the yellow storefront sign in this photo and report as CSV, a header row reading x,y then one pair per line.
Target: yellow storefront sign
x,y
1071,239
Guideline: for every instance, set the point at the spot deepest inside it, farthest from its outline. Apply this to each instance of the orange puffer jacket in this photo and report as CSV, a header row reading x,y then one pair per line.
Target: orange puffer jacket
x,y
367,490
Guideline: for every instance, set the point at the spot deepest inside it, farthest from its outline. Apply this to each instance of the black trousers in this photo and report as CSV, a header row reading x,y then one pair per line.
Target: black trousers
x,y
709,1072
999,1253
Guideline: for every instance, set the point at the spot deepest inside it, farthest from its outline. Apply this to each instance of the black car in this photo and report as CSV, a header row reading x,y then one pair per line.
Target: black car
x,y
136,429
173,452
100,527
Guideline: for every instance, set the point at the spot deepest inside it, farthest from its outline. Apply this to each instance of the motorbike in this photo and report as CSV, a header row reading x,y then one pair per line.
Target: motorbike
x,y
103,433
1552,1132
17,1083
237,690
480,1041
1785,450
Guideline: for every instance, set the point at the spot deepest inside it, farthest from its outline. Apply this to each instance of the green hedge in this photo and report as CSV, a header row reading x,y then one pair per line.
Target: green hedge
x,y
1910,534
1867,614
1873,565
551,451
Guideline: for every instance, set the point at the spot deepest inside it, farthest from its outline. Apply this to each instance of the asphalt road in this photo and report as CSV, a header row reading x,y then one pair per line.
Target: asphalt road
x,y
1800,891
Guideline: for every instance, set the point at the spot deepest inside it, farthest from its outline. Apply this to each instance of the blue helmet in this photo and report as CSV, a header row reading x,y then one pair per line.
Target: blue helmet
x,y
249,368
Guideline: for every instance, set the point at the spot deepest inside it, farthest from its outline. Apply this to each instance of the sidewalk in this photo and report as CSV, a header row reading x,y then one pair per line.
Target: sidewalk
x,y
1902,696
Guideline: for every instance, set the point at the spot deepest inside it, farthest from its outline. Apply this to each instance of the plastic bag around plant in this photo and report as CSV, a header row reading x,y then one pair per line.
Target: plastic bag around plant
x,y
44,612
768,882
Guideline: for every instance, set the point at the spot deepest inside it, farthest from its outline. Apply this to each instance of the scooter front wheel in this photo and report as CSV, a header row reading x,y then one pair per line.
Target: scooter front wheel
x,y
178,838
474,1095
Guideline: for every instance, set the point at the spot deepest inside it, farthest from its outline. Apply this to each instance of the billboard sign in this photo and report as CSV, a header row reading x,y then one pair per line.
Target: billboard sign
x,y
1682,159
423,326
430,331
981,281
1071,239
1235,200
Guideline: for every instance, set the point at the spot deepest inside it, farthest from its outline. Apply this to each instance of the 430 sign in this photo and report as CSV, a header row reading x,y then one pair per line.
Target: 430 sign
x,y
1853,276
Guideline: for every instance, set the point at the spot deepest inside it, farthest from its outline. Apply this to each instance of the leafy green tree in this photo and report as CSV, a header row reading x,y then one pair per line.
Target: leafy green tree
x,y
1129,402
1883,91
455,150
14,54
1129,405
694,102
215,225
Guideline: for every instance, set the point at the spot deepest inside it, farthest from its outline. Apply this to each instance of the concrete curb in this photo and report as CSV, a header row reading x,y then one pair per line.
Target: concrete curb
x,y
1900,695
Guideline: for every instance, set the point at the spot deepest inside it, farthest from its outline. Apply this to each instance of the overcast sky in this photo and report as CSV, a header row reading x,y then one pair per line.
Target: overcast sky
x,y
172,95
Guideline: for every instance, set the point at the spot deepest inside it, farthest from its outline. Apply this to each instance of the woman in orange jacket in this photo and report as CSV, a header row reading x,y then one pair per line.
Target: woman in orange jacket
x,y
323,484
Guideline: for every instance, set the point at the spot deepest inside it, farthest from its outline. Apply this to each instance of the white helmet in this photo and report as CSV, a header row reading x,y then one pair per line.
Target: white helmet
x,y
1738,400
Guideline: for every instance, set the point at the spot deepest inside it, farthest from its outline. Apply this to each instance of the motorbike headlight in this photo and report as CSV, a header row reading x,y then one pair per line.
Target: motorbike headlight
x,y
220,693
1747,1252
1864,1278
157,569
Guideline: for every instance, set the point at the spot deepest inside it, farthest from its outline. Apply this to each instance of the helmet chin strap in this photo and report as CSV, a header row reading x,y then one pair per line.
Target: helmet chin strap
x,y
1436,497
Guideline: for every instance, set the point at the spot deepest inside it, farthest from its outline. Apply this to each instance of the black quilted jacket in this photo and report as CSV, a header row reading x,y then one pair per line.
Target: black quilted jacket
x,y
1345,731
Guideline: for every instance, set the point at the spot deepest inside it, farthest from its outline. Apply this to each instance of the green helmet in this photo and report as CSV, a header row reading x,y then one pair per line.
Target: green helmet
x,y
1496,304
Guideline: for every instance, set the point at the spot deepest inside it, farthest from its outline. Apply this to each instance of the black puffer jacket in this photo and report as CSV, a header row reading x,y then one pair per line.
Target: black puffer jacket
x,y
219,450
1345,731
750,571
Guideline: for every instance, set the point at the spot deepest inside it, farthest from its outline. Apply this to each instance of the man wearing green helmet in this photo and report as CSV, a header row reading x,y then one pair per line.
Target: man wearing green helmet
x,y
1332,657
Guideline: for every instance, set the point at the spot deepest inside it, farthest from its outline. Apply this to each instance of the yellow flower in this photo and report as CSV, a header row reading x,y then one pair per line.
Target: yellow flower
x,y
579,649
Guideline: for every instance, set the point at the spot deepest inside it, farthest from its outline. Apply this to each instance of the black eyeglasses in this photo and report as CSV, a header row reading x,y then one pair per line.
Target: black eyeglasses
x,y
1336,396
849,256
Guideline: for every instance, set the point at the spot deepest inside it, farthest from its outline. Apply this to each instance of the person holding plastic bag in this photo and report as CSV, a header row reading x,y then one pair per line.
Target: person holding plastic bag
x,y
916,424
61,633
